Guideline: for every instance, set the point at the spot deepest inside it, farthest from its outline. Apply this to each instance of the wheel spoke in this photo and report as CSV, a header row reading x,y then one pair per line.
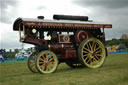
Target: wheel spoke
x,y
47,57
90,46
47,68
94,47
98,51
85,55
87,46
86,58
97,48
43,67
98,54
87,49
95,61
51,59
88,61
85,52
97,57
41,62
41,59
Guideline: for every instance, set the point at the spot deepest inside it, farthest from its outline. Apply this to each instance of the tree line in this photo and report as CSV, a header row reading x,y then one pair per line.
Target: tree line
x,y
120,42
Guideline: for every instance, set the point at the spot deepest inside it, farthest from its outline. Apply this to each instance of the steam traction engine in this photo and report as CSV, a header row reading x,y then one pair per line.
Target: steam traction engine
x,y
74,40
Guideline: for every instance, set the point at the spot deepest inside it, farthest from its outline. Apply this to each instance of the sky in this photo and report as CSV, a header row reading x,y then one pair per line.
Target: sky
x,y
114,12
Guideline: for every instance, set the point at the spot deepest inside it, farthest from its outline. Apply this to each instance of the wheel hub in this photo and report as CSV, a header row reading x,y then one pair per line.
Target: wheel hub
x,y
91,56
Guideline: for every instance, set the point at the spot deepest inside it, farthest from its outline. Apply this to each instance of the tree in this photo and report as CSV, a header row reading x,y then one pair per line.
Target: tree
x,y
16,50
122,47
117,42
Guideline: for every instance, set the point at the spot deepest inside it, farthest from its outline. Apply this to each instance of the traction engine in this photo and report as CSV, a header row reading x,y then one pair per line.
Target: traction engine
x,y
75,40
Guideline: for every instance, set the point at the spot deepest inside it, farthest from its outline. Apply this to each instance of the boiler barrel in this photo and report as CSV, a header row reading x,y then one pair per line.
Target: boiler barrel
x,y
70,17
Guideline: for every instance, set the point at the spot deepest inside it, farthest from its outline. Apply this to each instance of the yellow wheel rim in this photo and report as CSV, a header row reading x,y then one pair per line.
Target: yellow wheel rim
x,y
47,62
92,53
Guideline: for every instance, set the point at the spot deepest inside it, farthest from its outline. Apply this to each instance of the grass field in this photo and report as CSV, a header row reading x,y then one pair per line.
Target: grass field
x,y
113,72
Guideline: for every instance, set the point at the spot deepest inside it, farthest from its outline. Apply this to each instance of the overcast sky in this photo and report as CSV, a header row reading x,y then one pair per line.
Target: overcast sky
x,y
114,12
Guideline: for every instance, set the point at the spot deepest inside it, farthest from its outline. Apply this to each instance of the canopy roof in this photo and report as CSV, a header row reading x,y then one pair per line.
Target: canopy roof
x,y
58,24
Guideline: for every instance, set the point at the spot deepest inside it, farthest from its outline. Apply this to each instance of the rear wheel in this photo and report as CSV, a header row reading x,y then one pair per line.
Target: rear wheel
x,y
31,62
92,53
47,62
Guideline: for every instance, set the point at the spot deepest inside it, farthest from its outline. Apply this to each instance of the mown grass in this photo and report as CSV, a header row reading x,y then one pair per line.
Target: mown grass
x,y
113,72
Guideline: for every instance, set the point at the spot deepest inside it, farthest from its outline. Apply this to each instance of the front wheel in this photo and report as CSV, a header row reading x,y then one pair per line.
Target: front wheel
x,y
92,53
47,62
31,63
